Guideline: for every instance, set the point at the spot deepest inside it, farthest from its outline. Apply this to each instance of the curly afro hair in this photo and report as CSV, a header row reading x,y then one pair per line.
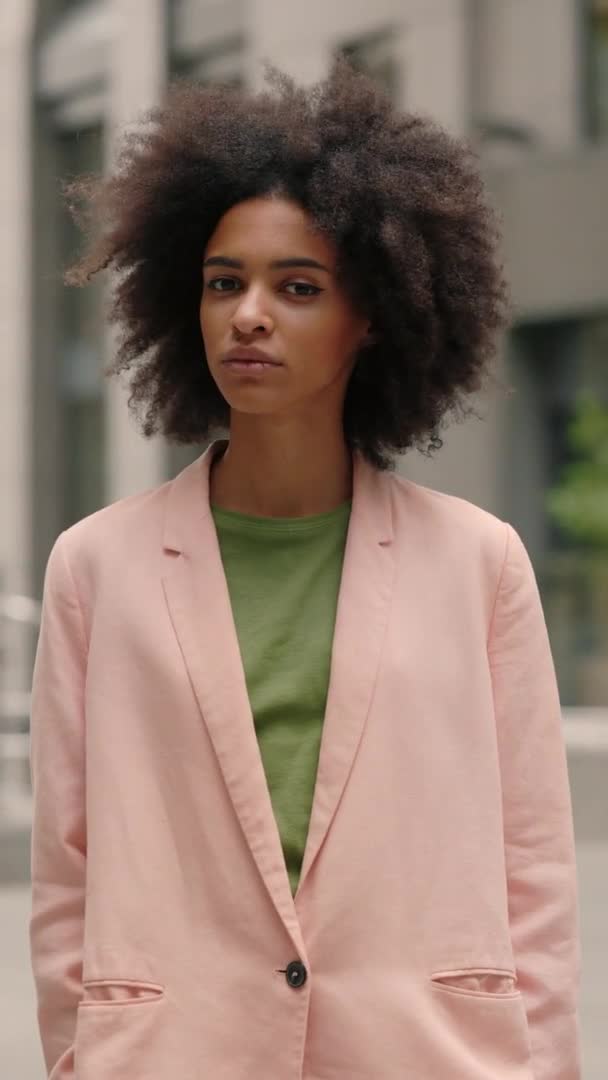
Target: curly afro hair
x,y
402,200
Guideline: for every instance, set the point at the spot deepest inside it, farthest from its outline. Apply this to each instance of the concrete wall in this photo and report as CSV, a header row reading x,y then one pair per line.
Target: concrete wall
x,y
16,472
556,246
132,463
529,67
427,37
15,295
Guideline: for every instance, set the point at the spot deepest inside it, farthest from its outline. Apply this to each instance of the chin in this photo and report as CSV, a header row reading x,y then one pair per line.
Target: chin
x,y
253,403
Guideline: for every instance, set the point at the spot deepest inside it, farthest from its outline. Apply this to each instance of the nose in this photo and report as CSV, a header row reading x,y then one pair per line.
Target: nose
x,y
252,315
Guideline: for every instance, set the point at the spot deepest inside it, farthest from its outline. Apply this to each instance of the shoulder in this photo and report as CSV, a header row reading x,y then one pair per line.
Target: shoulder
x,y
121,519
448,515
113,536
456,534
469,551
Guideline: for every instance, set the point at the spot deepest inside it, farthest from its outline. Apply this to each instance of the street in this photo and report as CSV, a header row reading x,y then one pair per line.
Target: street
x,y
20,1055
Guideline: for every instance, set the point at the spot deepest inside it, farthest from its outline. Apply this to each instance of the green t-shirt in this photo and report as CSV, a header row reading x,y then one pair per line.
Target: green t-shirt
x,y
283,577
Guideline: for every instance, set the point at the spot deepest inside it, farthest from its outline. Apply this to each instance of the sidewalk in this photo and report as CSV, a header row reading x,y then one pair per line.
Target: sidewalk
x,y
20,1053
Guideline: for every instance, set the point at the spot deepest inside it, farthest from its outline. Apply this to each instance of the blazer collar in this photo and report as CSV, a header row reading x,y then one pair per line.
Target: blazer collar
x,y
188,501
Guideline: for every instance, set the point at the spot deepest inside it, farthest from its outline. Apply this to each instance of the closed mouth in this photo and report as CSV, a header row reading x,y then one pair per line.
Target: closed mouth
x,y
250,357
242,362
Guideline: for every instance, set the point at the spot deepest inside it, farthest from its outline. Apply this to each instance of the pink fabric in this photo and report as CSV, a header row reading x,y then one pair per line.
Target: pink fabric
x,y
437,909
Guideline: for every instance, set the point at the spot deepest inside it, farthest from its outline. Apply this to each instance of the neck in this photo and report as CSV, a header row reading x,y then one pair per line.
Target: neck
x,y
275,469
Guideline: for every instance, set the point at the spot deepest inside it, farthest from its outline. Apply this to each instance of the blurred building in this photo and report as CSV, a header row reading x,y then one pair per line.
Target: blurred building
x,y
527,79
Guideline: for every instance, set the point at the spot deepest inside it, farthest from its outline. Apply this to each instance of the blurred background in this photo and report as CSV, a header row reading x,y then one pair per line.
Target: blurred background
x,y
527,82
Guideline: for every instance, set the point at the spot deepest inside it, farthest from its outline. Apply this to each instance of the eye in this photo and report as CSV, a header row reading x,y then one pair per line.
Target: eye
x,y
314,289
217,284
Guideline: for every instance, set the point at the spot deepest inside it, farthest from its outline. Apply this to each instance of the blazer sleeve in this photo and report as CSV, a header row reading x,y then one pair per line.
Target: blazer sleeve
x,y
58,841
538,825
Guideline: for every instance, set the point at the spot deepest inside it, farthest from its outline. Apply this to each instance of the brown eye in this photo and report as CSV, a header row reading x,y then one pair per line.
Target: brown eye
x,y
217,284
314,290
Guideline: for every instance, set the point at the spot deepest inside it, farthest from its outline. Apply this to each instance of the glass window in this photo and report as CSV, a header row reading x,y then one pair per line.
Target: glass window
x,y
80,356
205,45
597,54
374,54
53,9
557,480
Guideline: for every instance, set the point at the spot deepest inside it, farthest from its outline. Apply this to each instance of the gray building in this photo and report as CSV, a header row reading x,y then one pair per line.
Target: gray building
x,y
526,79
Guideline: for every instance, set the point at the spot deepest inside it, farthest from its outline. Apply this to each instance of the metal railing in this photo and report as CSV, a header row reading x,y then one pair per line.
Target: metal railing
x,y
574,588
19,625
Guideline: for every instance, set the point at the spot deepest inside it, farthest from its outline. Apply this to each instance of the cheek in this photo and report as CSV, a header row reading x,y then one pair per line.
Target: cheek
x,y
327,327
327,342
202,316
209,322
345,336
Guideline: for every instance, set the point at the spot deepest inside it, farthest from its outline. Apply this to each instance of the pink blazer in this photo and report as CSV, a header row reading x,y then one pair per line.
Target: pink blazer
x,y
434,932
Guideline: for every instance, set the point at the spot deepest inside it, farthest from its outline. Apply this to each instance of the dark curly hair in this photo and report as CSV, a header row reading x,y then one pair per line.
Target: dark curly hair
x,y
402,200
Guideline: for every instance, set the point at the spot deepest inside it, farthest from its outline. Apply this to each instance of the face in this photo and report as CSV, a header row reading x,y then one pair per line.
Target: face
x,y
280,333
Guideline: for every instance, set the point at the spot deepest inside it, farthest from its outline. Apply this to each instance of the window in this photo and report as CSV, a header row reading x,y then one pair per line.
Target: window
x,y
79,356
207,40
596,32
67,344
553,365
221,66
375,55
54,9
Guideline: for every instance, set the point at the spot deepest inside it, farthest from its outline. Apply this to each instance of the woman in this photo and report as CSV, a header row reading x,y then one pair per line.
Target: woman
x,y
301,801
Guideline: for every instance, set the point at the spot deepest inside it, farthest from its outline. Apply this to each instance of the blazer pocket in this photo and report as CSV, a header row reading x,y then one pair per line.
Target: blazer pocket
x,y
121,1030
492,983
111,992
482,1015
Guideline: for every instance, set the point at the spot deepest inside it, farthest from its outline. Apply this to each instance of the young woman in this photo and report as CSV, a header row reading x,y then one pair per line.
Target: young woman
x,y
301,801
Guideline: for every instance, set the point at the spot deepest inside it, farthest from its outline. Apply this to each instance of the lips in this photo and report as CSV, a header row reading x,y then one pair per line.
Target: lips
x,y
244,356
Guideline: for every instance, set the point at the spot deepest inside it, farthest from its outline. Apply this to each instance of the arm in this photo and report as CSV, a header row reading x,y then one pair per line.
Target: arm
x,y
538,828
58,849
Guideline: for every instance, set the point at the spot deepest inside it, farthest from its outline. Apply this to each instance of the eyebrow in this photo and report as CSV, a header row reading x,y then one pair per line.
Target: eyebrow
x,y
278,264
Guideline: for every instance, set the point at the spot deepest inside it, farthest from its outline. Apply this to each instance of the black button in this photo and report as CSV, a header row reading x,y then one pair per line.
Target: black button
x,y
296,974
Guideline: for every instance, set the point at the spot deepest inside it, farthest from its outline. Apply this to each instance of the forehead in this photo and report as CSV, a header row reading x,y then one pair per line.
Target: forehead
x,y
269,227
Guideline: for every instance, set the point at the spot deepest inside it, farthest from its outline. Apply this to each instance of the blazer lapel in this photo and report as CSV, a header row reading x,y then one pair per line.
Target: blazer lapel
x,y
361,620
199,604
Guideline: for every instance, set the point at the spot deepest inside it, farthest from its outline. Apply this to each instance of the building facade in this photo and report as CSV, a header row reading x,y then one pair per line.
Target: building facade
x,y
527,80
